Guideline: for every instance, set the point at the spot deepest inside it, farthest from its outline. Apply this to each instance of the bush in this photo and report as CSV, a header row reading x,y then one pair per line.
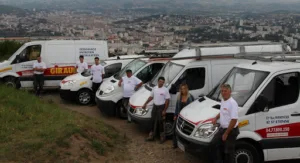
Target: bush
x,y
7,48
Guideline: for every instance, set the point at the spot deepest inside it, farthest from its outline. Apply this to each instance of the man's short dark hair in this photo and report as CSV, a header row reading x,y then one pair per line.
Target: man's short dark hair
x,y
161,78
81,56
128,71
96,58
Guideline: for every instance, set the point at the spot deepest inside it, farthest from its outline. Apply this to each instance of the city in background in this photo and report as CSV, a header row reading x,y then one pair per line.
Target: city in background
x,y
131,26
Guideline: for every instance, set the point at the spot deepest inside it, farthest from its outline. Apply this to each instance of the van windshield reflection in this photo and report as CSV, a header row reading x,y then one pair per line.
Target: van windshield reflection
x,y
243,83
169,72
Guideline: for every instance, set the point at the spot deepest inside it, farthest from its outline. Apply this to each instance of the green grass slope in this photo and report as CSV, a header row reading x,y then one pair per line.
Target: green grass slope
x,y
33,130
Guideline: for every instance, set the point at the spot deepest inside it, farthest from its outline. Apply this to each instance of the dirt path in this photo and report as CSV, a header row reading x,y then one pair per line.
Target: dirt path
x,y
139,151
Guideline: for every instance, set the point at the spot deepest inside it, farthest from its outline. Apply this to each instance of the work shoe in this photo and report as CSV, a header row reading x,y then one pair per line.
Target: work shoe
x,y
162,140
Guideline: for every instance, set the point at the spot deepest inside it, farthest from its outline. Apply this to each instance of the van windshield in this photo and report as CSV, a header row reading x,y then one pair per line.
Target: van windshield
x,y
243,83
134,66
12,57
169,72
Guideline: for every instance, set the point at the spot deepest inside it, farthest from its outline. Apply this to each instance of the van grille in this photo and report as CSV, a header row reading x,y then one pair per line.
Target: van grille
x,y
184,126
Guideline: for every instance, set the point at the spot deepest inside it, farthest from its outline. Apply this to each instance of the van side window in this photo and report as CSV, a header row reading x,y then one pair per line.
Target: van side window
x,y
149,72
194,78
112,69
30,53
282,90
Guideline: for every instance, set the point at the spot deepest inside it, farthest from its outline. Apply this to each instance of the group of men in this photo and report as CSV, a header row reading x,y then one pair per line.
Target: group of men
x,y
39,68
224,140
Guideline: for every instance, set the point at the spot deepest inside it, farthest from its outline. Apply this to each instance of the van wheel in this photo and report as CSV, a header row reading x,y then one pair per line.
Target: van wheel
x,y
246,153
12,82
84,97
169,128
121,111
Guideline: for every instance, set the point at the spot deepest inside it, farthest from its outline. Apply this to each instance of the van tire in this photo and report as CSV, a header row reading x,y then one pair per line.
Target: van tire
x,y
169,128
84,97
120,112
246,152
11,81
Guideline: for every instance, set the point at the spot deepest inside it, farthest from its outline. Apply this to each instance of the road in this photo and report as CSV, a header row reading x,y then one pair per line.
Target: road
x,y
139,151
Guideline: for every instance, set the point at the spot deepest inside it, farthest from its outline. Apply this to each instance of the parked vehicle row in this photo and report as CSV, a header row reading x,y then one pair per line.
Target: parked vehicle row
x,y
266,90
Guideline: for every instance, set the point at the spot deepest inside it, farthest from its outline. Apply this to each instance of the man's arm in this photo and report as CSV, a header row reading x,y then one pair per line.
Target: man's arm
x,y
103,72
231,126
166,105
216,119
139,85
120,82
146,103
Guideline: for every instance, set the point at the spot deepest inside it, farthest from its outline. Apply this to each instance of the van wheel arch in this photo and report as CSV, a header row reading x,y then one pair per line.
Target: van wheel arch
x,y
12,81
119,112
84,91
169,128
252,146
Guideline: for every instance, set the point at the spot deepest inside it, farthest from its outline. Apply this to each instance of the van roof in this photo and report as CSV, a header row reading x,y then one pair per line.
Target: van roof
x,y
274,66
63,41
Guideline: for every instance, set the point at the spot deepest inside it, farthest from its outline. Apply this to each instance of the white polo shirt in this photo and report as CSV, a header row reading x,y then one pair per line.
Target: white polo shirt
x,y
81,66
129,84
97,71
228,111
160,95
39,65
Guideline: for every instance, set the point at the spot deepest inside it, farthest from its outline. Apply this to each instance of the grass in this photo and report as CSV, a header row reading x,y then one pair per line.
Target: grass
x,y
38,131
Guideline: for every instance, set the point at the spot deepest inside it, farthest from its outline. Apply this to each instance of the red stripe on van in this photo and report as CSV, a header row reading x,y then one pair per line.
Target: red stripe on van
x,y
286,130
194,123
54,71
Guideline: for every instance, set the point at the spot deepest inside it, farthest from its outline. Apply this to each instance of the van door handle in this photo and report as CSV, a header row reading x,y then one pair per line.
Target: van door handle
x,y
295,114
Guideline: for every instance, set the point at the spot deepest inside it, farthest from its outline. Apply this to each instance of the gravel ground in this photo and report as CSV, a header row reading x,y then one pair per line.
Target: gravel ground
x,y
139,151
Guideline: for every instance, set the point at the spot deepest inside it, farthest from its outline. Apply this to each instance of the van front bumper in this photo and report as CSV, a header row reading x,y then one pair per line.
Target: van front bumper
x,y
144,123
196,148
67,94
106,107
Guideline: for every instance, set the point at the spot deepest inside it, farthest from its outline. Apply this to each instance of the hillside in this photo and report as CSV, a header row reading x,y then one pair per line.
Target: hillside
x,y
5,9
35,130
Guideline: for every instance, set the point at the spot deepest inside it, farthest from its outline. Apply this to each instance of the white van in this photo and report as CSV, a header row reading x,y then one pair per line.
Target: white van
x,y
60,57
200,75
79,86
109,96
269,113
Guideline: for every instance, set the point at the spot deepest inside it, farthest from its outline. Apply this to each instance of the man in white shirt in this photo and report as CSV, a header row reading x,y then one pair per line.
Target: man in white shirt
x,y
161,97
98,73
226,137
130,85
38,75
81,66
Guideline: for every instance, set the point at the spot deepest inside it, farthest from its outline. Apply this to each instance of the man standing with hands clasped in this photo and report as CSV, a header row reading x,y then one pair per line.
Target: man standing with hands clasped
x,y
161,98
39,68
130,85
225,138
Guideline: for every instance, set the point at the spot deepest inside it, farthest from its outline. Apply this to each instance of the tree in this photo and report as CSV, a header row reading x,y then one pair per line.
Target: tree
x,y
7,48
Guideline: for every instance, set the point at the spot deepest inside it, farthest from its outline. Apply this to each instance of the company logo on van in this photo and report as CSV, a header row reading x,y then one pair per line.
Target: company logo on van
x,y
62,70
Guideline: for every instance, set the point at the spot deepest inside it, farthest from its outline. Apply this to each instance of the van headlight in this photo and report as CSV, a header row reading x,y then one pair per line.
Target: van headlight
x,y
206,130
109,89
141,111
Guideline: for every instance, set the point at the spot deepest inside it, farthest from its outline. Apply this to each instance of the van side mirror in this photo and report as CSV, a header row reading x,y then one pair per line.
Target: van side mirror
x,y
261,104
173,89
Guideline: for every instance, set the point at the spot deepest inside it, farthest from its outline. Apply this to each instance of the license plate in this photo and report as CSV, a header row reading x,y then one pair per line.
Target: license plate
x,y
180,146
